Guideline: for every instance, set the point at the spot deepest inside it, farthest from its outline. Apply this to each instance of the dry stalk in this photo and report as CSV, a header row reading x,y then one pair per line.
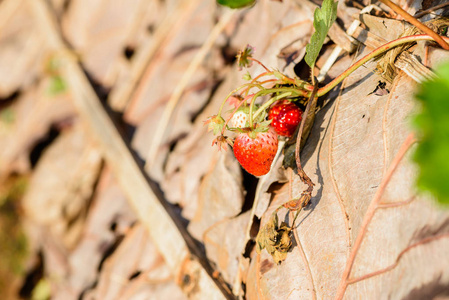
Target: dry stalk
x,y
422,27
386,67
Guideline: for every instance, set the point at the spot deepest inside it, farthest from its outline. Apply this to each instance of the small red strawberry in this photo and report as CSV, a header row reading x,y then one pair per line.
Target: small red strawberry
x,y
285,117
255,151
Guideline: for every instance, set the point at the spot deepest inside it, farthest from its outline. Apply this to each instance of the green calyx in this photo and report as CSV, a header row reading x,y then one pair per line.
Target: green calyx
x,y
244,57
263,126
215,124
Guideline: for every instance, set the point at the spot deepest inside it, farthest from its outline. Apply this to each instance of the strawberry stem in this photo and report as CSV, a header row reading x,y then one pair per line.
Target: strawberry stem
x,y
260,85
388,46
292,90
249,85
303,88
262,75
255,60
269,102
416,23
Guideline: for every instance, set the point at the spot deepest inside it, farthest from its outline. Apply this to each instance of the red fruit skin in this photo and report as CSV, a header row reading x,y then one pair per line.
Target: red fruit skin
x,y
285,117
256,155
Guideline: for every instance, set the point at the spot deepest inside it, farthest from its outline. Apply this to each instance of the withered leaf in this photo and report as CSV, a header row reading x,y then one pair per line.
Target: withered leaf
x,y
289,152
275,239
267,233
285,241
279,256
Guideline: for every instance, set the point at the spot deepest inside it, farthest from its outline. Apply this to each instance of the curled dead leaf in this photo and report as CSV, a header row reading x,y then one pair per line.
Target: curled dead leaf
x,y
277,240
299,203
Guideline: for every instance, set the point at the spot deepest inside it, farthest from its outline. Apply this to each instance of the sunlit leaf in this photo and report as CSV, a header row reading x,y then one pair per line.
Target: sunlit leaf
x,y
236,3
322,21
57,85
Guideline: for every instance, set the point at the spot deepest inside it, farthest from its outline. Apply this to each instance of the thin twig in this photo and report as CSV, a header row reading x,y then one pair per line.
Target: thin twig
x,y
261,64
296,217
412,20
378,51
432,9
301,173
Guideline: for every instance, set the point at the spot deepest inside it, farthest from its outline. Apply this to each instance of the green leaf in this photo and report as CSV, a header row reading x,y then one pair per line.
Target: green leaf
x,y
432,126
57,85
322,20
42,291
215,124
7,116
247,76
236,3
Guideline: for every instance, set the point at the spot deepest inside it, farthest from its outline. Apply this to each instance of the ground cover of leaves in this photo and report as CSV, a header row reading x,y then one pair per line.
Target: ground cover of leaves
x,y
69,231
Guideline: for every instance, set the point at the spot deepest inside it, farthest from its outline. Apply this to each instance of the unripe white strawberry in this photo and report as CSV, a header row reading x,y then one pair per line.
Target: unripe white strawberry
x,y
239,120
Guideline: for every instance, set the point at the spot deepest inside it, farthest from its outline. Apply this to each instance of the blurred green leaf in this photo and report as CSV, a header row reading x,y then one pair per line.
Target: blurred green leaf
x,y
236,3
57,85
322,20
7,116
432,126
42,291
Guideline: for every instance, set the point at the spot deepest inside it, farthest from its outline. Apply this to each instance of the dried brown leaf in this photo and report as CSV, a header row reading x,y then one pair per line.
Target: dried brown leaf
x,y
22,47
27,121
276,239
99,32
351,146
62,185
109,218
136,253
224,241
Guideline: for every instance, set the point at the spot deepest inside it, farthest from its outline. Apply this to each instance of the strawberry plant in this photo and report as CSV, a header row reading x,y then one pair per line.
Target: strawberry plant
x,y
278,86
255,145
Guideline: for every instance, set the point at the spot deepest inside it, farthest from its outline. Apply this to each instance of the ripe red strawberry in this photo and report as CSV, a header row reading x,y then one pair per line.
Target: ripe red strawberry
x,y
256,153
285,117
